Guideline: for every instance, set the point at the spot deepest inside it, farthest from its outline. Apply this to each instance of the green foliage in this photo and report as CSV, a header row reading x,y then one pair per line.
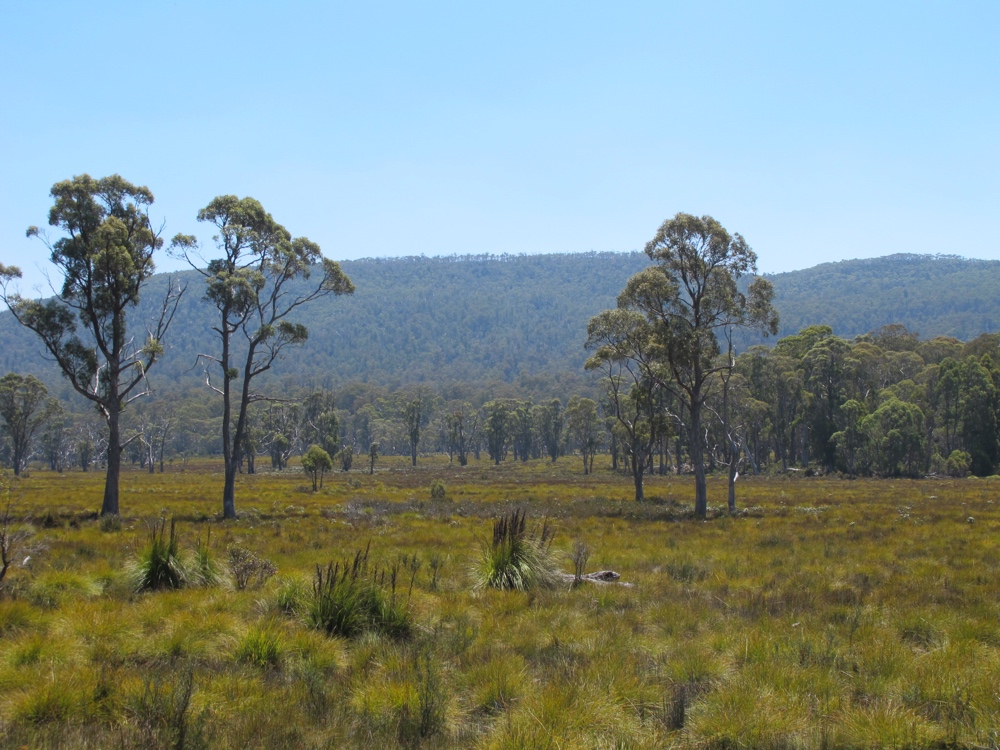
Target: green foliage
x,y
105,258
958,464
439,491
350,598
159,565
516,558
316,462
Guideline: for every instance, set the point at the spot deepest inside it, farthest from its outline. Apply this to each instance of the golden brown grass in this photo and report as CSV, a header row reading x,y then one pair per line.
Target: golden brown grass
x,y
831,613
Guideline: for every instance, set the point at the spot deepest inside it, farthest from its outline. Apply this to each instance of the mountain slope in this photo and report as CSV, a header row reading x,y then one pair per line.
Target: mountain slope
x,y
487,318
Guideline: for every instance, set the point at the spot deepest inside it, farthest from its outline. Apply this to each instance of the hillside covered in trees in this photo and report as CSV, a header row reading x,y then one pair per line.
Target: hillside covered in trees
x,y
522,319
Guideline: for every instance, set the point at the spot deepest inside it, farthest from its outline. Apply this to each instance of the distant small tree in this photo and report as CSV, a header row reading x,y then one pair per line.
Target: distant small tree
x,y
549,422
372,456
280,446
85,453
316,462
414,418
498,428
53,440
319,422
584,426
24,408
463,428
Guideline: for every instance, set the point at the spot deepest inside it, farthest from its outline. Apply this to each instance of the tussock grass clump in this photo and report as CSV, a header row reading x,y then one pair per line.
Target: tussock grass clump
x,y
349,598
159,565
260,647
204,570
517,558
290,597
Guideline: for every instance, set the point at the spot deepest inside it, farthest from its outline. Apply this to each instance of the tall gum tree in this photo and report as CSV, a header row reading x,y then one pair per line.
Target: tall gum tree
x,y
259,282
690,299
105,258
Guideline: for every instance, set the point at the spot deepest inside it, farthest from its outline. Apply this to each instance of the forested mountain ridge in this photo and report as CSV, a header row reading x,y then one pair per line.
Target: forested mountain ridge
x,y
470,318
509,318
932,295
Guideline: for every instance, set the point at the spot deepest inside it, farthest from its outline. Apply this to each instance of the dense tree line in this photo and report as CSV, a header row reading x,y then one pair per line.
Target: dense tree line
x,y
882,404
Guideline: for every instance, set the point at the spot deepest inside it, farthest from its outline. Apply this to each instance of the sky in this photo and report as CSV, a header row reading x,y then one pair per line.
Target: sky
x,y
818,131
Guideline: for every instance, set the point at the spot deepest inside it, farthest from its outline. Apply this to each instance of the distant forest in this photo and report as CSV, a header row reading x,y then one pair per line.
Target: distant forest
x,y
483,354
521,320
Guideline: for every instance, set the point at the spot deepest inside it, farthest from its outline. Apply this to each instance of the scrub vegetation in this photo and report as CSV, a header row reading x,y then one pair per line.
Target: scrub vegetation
x,y
828,613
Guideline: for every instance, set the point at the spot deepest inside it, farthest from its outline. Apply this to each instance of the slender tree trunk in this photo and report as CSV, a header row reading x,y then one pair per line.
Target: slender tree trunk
x,y
637,470
698,460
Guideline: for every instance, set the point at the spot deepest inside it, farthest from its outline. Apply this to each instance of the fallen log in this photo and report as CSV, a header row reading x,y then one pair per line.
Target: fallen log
x,y
601,577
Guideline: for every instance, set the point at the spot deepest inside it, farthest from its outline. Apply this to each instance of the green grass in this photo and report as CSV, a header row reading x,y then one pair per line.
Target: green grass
x,y
834,613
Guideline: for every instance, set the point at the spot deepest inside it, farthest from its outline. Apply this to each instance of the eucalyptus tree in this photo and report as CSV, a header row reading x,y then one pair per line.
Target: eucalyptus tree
x,y
416,414
105,257
687,300
549,424
319,422
498,427
24,408
622,343
261,280
583,425
463,427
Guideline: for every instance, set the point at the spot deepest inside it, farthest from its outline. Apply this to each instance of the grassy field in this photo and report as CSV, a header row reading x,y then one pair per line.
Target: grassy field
x,y
830,613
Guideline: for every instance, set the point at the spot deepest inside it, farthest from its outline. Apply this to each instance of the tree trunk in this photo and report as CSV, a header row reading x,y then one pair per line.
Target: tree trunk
x,y
229,491
110,505
637,469
698,461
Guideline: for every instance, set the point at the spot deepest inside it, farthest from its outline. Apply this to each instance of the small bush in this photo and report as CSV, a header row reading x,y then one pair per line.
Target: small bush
x,y
348,599
438,490
517,558
158,565
958,464
249,570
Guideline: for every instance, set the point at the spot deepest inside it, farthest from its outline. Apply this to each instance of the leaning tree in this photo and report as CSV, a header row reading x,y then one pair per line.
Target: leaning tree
x,y
105,257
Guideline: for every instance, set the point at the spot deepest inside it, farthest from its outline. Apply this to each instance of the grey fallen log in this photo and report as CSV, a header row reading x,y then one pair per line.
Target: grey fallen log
x,y
601,576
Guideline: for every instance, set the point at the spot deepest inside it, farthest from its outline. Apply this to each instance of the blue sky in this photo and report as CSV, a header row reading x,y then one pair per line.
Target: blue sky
x,y
819,131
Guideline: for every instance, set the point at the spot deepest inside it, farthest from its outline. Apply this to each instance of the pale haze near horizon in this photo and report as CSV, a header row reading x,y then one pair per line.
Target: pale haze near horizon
x,y
819,132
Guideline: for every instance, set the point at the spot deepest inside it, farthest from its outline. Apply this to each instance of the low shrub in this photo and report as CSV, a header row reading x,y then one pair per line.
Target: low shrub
x,y
438,490
349,598
248,569
517,558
